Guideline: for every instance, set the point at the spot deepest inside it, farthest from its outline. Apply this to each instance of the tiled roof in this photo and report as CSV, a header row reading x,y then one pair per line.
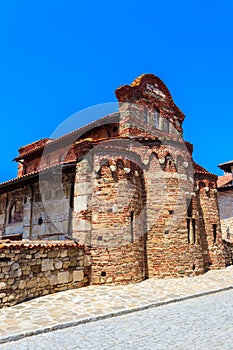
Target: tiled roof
x,y
32,147
38,244
19,178
226,166
200,170
93,124
225,180
230,162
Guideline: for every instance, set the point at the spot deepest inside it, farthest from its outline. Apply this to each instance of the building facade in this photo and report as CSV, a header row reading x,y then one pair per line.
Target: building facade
x,y
225,200
126,186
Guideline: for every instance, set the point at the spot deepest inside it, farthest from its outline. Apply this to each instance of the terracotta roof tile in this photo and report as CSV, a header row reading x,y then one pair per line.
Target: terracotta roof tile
x,y
33,173
200,170
52,141
225,180
38,244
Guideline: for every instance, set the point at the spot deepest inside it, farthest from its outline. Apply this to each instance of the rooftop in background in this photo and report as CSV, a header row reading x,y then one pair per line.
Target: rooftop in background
x,y
227,167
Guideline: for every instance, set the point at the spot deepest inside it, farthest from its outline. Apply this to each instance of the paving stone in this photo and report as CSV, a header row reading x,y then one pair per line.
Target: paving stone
x,y
201,323
76,306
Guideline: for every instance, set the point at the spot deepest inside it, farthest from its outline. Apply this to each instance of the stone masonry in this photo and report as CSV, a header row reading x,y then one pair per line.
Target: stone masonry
x,y
32,269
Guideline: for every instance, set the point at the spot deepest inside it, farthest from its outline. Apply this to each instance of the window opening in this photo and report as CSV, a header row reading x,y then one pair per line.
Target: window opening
x,y
189,207
188,229
215,232
194,230
131,225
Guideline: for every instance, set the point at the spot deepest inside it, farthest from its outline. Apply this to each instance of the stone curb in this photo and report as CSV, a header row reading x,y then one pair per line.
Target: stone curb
x,y
19,336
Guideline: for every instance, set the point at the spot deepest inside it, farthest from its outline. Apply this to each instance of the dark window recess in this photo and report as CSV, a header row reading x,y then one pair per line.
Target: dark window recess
x,y
194,230
166,232
37,197
189,207
215,232
145,116
131,225
100,238
188,229
115,128
103,273
40,221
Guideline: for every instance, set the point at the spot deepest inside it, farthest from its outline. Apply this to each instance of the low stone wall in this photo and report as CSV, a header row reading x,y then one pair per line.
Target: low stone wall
x,y
228,252
31,269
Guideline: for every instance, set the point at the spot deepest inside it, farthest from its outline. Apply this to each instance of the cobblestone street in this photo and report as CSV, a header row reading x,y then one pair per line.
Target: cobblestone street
x,y
152,314
201,323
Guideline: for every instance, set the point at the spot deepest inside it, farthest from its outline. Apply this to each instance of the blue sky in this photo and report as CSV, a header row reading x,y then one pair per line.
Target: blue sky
x,y
58,57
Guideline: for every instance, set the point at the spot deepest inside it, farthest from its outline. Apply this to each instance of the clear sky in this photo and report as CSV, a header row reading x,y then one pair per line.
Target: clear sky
x,y
60,56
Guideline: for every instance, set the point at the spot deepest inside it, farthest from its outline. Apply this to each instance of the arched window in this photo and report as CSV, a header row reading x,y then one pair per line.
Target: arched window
x,y
16,212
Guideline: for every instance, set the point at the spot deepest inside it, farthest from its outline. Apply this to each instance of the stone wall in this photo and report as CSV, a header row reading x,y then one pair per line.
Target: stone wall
x,y
225,202
228,252
31,269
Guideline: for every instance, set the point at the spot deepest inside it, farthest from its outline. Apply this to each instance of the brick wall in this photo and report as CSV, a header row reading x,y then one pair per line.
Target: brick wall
x,y
118,265
209,223
32,269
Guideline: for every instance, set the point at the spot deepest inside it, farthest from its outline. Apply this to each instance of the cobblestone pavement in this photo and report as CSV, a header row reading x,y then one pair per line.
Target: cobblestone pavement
x,y
201,323
70,308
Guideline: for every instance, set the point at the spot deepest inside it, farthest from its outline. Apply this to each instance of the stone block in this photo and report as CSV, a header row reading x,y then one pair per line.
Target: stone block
x,y
14,267
63,277
63,253
53,280
31,283
47,264
83,188
22,284
81,203
78,276
2,285
58,265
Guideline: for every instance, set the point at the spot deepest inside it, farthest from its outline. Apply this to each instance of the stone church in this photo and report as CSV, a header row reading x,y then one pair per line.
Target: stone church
x,y
126,187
